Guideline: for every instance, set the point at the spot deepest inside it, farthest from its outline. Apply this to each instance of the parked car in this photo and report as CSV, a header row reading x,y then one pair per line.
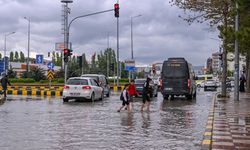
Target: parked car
x,y
210,85
81,88
139,83
101,80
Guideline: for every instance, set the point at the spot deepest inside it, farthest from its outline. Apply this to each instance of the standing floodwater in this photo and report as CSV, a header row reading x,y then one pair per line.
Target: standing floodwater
x,y
37,123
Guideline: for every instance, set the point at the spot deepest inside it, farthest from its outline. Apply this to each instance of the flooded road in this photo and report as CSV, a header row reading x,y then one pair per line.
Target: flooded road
x,y
28,123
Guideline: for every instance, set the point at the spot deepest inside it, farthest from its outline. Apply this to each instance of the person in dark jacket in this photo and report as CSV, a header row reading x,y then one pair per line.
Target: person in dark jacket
x,y
145,94
242,83
5,82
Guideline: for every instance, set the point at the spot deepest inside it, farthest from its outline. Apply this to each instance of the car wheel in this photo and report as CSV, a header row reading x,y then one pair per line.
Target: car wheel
x,y
172,97
156,95
102,97
92,97
108,94
189,96
198,85
166,97
194,94
65,100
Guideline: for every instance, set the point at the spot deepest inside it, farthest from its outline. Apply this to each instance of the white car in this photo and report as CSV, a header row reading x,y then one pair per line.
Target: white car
x,y
81,88
210,85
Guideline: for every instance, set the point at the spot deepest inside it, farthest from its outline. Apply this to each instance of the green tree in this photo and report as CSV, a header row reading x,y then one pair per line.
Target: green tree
x,y
218,13
244,36
58,61
85,64
22,57
16,57
11,56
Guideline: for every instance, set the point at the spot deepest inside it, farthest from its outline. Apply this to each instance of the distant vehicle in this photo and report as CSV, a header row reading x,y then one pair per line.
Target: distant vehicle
x,y
157,81
101,80
156,67
177,78
230,82
201,84
210,85
139,83
201,78
81,88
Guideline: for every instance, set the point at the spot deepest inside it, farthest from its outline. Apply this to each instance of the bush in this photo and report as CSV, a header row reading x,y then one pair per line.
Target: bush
x,y
21,80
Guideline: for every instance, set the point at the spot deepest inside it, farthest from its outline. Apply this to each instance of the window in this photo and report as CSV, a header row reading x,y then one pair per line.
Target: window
x,y
77,82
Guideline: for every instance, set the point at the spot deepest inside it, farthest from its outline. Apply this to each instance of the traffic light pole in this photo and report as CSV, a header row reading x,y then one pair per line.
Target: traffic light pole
x,y
66,42
66,39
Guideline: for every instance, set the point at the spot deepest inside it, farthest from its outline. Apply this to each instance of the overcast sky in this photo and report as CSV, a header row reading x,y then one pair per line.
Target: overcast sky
x,y
158,34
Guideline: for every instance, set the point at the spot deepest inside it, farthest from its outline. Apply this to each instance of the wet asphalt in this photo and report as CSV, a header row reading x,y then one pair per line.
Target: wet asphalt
x,y
38,123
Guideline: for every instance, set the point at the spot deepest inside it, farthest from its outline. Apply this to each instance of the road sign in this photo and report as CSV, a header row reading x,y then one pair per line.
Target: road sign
x,y
50,65
130,65
61,46
39,59
50,74
130,68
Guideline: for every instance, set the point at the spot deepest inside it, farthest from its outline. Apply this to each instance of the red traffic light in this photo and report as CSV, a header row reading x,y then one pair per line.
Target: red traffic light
x,y
116,6
65,51
116,10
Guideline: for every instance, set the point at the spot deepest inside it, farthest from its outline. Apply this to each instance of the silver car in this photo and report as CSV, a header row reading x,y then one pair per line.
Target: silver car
x,y
210,85
81,88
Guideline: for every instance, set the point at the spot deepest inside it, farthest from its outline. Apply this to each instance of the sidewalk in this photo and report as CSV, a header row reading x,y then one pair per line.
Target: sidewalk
x,y
228,124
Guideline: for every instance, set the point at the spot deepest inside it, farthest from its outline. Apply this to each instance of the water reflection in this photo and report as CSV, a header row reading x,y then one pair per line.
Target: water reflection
x,y
146,119
127,120
2,101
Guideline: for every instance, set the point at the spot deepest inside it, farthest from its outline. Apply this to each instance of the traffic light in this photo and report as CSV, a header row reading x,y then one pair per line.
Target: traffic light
x,y
80,61
112,67
66,55
70,52
116,10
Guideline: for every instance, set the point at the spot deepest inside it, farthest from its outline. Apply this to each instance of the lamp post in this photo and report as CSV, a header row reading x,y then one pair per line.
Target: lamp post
x,y
5,36
27,67
132,50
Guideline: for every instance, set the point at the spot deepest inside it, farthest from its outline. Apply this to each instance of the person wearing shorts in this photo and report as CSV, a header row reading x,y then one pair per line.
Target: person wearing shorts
x,y
125,99
145,94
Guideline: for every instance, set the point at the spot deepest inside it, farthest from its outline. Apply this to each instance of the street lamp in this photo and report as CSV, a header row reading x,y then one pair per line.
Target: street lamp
x,y
5,36
27,67
132,51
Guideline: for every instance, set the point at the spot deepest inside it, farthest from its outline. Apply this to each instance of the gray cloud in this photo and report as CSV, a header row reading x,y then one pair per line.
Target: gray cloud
x,y
158,33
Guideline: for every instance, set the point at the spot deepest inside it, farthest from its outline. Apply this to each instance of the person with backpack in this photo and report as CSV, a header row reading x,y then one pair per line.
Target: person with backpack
x,y
124,97
145,94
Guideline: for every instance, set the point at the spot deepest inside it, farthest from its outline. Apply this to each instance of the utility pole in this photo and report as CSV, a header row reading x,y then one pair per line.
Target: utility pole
x,y
66,42
236,57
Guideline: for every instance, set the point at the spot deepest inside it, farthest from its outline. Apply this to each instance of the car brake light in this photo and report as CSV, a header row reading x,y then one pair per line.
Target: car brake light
x,y
189,83
66,87
86,87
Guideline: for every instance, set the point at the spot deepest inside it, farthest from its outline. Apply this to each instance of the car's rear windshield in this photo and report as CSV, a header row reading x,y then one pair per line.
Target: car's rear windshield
x,y
139,81
93,77
175,69
77,82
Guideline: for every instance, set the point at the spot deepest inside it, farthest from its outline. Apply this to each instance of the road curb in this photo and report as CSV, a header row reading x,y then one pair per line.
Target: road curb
x,y
207,136
35,92
44,90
